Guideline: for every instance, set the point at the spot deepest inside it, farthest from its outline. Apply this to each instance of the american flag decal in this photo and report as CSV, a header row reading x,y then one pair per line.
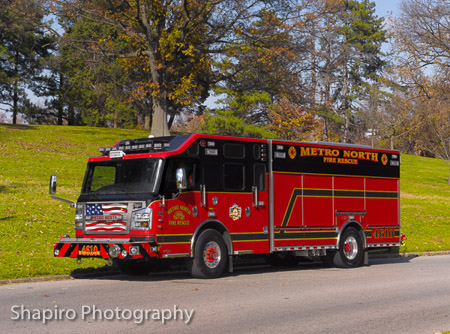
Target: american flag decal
x,y
106,217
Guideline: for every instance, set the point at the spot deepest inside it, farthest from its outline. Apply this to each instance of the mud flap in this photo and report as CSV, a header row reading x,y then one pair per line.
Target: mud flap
x,y
230,263
366,258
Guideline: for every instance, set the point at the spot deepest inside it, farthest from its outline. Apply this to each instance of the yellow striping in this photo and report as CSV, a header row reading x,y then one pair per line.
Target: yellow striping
x,y
304,231
382,191
333,231
357,176
287,207
309,239
309,196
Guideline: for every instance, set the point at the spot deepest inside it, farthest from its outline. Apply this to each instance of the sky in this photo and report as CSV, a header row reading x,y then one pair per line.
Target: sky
x,y
382,7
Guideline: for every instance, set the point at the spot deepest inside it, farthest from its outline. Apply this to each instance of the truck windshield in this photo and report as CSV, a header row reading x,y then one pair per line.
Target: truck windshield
x,y
127,176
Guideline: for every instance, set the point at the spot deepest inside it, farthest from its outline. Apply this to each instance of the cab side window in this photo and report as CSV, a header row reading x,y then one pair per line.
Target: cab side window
x,y
259,176
234,176
191,168
211,176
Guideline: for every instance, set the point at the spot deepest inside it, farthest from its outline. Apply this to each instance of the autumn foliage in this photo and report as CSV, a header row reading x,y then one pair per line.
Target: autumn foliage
x,y
300,70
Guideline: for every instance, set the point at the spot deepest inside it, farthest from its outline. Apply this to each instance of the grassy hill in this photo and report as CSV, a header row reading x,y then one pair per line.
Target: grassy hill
x,y
425,207
31,221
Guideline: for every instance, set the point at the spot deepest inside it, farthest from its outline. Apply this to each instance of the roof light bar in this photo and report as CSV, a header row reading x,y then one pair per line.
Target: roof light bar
x,y
128,147
104,149
137,145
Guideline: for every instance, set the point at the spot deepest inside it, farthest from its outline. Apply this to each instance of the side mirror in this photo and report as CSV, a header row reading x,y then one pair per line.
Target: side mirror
x,y
52,185
52,190
181,179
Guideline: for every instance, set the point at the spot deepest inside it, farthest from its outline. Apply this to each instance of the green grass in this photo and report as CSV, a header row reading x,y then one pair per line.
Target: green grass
x,y
425,208
31,221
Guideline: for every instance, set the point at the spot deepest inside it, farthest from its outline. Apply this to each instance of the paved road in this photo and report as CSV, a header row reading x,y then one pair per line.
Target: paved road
x,y
389,296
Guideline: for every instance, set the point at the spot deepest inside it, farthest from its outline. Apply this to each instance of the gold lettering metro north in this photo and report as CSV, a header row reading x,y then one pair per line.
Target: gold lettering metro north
x,y
337,156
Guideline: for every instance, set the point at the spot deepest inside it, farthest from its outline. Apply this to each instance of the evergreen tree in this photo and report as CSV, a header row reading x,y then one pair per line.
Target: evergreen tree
x,y
255,68
362,59
23,44
350,62
93,83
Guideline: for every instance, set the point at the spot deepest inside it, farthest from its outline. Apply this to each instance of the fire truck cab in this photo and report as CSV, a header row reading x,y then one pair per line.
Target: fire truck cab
x,y
208,198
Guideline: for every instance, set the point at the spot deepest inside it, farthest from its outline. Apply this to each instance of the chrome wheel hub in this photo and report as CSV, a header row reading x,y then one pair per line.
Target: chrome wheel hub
x,y
350,248
212,254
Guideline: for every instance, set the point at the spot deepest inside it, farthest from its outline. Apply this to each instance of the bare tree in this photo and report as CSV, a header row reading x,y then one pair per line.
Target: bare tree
x,y
422,44
422,31
433,135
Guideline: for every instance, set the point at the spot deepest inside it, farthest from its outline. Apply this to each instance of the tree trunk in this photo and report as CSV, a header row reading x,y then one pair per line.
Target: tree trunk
x,y
147,121
16,87
170,122
15,102
159,119
60,113
60,99
327,101
449,177
345,103
313,69
70,114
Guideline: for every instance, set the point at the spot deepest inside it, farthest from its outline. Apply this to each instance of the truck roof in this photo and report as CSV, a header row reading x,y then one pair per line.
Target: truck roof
x,y
152,145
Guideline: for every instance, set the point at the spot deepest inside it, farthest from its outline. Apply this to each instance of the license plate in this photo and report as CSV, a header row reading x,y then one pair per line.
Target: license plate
x,y
89,250
107,218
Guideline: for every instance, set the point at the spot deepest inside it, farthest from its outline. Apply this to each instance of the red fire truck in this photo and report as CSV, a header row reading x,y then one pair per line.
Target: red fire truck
x,y
208,198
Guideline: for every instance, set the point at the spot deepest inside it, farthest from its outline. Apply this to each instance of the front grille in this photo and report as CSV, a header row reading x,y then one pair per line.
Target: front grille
x,y
109,217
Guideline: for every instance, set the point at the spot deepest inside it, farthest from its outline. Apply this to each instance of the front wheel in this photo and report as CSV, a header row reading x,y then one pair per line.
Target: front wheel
x,y
210,255
350,253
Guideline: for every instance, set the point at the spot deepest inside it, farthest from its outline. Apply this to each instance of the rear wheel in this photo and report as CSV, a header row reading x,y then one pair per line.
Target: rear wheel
x,y
210,255
351,252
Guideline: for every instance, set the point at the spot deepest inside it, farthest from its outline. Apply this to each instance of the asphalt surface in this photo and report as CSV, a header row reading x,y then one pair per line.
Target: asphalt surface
x,y
402,295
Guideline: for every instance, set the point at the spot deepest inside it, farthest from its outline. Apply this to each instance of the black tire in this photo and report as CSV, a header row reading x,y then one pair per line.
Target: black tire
x,y
351,251
135,267
283,259
210,255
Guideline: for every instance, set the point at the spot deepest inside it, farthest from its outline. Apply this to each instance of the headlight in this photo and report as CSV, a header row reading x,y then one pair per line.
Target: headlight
x,y
134,250
114,251
142,219
79,216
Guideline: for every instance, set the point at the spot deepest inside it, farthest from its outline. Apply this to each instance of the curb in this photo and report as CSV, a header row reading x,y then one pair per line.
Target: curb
x,y
408,255
35,279
58,277
114,272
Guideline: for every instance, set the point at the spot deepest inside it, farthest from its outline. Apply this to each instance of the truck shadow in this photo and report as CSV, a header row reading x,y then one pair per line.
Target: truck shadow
x,y
257,267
